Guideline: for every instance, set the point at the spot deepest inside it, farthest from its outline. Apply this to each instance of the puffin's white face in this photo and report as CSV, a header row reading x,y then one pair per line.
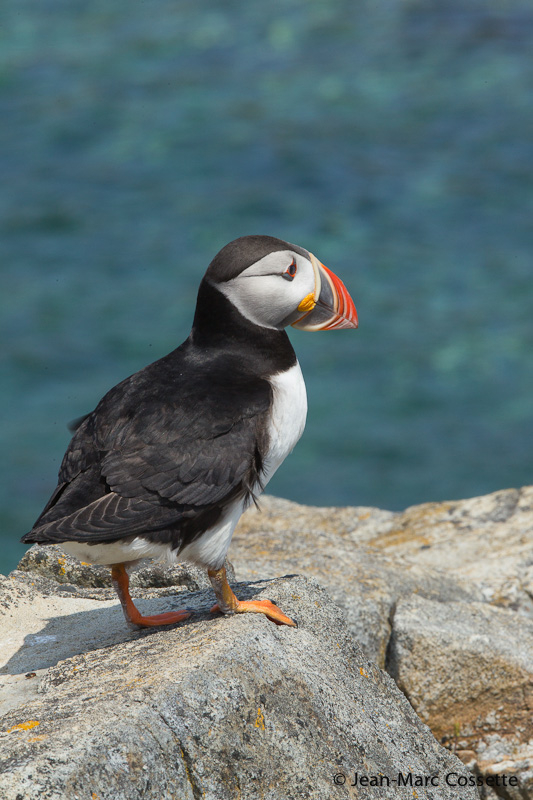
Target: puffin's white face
x,y
270,291
284,285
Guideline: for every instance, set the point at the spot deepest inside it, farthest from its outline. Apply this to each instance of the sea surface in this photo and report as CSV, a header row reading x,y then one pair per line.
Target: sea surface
x,y
393,140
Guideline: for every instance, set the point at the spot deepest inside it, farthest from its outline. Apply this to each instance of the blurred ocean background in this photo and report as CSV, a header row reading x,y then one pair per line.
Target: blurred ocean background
x,y
393,139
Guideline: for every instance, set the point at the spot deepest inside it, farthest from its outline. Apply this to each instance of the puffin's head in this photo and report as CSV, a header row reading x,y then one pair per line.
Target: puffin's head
x,y
274,284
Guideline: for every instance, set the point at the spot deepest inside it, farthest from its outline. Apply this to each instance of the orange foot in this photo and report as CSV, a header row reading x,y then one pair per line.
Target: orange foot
x,y
169,618
132,614
260,607
229,604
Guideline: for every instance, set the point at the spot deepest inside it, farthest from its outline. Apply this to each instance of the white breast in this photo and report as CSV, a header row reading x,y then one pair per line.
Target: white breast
x,y
288,415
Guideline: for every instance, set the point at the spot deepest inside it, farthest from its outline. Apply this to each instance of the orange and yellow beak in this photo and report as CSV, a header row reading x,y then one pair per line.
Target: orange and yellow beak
x,y
329,307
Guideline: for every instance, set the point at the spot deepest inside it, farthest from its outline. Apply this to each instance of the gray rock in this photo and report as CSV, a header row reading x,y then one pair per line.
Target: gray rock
x,y
457,557
460,560
330,544
482,547
214,708
467,669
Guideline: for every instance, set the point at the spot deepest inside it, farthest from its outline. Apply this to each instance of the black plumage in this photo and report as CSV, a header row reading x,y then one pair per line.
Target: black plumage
x,y
167,449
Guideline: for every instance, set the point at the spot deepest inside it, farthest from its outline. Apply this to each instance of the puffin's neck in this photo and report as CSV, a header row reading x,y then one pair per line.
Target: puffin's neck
x,y
218,324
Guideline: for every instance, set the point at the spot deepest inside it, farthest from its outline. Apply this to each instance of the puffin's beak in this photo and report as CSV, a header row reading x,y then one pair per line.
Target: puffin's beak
x,y
330,306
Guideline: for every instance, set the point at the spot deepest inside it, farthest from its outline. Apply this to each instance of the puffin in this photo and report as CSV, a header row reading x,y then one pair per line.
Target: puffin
x,y
170,458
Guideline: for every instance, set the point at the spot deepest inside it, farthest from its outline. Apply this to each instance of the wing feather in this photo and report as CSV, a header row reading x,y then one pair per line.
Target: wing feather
x,y
157,454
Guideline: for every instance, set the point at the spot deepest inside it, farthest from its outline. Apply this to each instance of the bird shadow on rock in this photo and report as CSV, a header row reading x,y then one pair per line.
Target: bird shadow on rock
x,y
81,632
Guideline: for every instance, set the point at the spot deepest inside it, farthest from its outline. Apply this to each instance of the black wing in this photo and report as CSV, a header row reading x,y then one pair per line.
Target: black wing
x,y
160,453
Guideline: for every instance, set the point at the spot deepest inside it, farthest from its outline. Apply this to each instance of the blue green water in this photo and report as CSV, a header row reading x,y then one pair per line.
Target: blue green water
x,y
394,140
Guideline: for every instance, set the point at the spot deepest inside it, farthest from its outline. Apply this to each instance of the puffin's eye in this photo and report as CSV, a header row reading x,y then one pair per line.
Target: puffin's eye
x,y
290,272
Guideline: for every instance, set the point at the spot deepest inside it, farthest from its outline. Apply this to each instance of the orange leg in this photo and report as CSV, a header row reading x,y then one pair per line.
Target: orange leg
x,y
229,604
133,616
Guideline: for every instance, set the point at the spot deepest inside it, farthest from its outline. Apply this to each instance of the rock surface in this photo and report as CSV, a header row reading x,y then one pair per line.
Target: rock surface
x,y
213,708
467,669
399,577
440,595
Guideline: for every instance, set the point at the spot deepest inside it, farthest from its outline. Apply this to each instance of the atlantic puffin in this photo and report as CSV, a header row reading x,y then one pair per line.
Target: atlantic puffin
x,y
170,458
